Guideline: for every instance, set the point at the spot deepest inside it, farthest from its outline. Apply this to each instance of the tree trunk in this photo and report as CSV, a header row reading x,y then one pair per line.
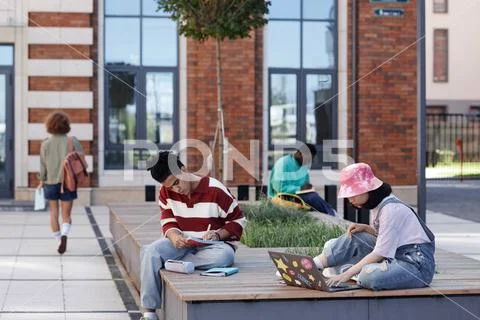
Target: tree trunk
x,y
221,131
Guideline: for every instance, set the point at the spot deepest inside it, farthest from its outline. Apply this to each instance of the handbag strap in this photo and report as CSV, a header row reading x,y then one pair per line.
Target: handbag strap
x,y
70,148
69,144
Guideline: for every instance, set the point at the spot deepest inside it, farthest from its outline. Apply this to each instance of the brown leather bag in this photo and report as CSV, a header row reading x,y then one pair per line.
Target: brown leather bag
x,y
74,168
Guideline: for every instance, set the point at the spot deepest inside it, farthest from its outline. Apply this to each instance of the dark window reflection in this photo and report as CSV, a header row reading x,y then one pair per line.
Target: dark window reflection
x,y
137,158
3,127
122,107
160,101
283,108
319,108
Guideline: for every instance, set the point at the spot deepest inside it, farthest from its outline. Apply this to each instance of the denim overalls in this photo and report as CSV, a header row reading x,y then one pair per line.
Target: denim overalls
x,y
412,267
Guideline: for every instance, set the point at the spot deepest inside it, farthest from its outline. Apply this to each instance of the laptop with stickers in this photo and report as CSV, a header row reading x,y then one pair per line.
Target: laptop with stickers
x,y
300,271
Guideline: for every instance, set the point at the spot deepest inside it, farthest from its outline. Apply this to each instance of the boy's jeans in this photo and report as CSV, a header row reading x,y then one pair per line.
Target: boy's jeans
x,y
412,267
154,255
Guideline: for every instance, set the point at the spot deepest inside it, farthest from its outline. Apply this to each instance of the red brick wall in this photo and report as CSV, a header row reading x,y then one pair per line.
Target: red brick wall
x,y
241,95
58,19
38,115
259,34
34,147
54,51
57,83
33,180
94,114
387,97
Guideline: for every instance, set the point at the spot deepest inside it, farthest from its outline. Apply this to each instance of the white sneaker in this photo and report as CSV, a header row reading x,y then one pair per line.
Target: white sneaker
x,y
149,316
278,275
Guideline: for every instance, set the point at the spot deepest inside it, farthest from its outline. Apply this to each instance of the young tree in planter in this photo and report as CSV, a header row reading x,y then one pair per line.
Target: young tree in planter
x,y
219,20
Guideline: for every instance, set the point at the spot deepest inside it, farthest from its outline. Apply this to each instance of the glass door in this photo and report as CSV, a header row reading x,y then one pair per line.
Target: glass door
x,y
6,136
320,115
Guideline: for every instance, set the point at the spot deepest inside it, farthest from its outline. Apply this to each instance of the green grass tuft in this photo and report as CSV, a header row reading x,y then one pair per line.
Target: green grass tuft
x,y
273,226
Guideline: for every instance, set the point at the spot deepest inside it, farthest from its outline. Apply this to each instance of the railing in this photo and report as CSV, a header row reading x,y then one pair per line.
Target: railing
x,y
453,146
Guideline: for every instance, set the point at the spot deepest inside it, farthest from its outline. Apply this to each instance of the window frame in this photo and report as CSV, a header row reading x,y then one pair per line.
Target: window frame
x,y
140,72
436,8
446,65
301,100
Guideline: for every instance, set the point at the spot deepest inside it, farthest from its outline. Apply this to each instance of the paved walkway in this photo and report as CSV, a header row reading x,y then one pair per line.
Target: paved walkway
x,y
85,282
37,283
455,234
459,199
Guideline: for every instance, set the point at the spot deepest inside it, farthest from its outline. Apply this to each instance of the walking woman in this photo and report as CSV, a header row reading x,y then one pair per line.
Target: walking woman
x,y
52,153
397,252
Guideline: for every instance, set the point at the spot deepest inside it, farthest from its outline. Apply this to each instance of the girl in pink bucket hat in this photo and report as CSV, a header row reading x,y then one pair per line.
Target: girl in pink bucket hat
x,y
396,252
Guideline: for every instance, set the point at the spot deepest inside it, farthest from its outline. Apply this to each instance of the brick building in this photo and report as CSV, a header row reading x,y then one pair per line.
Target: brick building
x,y
121,72
452,69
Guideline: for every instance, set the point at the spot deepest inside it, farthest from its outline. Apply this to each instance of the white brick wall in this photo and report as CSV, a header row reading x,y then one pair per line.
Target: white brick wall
x,y
85,6
60,99
53,35
83,131
34,163
64,67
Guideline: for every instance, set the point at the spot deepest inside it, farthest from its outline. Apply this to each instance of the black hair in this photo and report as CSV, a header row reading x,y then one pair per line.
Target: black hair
x,y
376,196
299,156
312,149
161,170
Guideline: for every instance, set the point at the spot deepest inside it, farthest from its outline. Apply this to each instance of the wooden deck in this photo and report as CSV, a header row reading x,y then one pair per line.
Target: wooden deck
x,y
254,293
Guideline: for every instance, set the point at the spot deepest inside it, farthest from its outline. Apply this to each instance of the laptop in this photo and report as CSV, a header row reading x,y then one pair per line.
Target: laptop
x,y
300,271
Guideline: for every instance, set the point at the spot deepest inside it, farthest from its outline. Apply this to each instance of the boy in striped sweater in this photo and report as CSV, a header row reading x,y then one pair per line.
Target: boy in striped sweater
x,y
190,206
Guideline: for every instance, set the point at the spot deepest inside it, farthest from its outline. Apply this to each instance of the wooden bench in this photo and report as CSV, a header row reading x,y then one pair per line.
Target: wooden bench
x,y
254,293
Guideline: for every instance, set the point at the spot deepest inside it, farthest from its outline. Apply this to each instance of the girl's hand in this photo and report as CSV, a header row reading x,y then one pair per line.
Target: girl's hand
x,y
356,227
40,185
338,279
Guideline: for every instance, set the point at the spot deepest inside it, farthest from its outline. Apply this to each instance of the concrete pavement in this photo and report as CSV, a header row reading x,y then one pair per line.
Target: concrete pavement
x,y
454,234
86,282
38,283
455,198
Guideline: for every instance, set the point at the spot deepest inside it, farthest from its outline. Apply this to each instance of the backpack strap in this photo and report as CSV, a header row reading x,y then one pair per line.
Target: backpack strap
x,y
376,223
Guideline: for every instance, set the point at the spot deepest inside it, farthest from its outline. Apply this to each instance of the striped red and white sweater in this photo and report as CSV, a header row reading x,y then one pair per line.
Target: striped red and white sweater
x,y
211,203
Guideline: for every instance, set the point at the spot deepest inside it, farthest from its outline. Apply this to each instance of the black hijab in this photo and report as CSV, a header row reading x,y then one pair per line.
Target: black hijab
x,y
376,196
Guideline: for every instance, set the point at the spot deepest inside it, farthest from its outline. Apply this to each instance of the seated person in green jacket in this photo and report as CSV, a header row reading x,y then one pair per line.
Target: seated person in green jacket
x,y
290,175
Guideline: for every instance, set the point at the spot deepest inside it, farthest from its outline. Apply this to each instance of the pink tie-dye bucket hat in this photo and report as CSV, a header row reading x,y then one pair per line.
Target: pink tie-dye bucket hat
x,y
357,179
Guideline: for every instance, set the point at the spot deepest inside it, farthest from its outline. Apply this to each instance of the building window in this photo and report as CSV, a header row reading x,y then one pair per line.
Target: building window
x,y
302,65
440,6
141,77
474,112
436,113
6,55
440,55
436,109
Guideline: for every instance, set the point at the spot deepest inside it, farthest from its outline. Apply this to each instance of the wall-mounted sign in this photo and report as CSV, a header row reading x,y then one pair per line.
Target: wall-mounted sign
x,y
389,12
390,1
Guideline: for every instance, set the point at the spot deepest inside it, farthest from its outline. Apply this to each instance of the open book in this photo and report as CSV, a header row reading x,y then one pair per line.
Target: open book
x,y
220,272
305,191
195,242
